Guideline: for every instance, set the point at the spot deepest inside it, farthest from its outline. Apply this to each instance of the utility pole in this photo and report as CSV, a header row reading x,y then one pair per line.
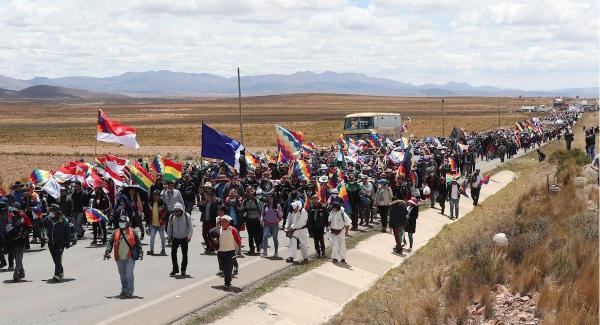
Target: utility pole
x,y
240,105
498,112
443,120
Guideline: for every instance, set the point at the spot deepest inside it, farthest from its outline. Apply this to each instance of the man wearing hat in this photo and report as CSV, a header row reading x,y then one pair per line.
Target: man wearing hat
x,y
17,230
179,232
339,223
251,208
59,238
296,230
383,198
208,209
353,188
366,200
127,249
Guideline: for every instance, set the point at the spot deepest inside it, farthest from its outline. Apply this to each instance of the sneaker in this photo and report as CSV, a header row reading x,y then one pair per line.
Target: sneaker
x,y
220,273
334,260
3,264
11,267
343,261
275,254
173,273
289,260
305,260
56,278
150,252
183,273
162,252
264,254
251,252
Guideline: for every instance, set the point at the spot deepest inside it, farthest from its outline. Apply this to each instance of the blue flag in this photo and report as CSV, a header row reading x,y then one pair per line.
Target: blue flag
x,y
216,145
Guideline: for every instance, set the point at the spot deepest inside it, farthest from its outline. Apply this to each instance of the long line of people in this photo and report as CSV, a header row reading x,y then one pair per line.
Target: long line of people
x,y
261,202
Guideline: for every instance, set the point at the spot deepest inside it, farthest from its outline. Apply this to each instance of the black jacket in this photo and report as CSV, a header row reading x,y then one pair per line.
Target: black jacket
x,y
80,201
398,214
59,233
317,218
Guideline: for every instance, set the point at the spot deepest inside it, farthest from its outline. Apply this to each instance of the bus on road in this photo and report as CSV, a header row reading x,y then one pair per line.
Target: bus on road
x,y
359,125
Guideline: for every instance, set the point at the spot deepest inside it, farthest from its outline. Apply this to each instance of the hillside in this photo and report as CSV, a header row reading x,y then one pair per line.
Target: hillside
x,y
169,83
54,92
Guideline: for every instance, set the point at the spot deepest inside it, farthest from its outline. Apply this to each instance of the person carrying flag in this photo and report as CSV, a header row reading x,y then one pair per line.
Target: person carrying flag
x,y
59,238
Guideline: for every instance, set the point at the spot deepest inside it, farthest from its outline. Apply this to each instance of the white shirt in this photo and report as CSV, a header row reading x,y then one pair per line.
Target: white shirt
x,y
454,191
296,220
338,219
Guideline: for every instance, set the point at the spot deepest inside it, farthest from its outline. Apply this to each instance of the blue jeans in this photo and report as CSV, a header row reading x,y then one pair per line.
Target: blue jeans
x,y
270,230
454,208
161,232
126,273
590,151
78,223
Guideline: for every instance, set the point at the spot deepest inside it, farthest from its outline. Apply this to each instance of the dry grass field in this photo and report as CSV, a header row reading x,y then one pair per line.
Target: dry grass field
x,y
45,134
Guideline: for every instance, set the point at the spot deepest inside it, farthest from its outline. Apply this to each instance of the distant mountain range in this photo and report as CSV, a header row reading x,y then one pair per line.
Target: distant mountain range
x,y
53,92
168,83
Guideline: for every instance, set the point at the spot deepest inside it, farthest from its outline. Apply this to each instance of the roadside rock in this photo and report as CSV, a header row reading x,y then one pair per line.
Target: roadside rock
x,y
508,308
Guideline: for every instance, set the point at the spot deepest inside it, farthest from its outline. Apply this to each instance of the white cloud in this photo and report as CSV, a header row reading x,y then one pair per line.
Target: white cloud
x,y
502,42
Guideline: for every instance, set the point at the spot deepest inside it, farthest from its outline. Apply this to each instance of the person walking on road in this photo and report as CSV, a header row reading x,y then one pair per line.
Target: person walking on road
x,y
270,218
453,190
398,220
127,249
383,198
80,200
170,196
339,223
476,181
17,230
411,226
296,231
179,232
251,208
228,242
156,219
59,238
208,208
317,222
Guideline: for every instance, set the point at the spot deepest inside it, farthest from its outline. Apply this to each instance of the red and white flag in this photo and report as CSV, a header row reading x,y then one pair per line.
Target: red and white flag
x,y
115,132
114,168
66,173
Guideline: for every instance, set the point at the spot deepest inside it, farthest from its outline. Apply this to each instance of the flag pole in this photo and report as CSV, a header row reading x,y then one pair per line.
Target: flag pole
x,y
240,106
201,158
443,120
96,143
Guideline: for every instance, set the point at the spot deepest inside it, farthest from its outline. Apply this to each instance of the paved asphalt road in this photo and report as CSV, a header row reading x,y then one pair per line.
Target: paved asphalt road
x,y
88,293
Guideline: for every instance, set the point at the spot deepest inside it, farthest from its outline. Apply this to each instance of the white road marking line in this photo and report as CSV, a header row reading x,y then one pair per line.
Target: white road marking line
x,y
165,297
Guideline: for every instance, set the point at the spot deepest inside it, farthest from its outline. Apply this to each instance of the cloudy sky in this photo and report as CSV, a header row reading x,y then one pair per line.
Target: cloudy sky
x,y
537,44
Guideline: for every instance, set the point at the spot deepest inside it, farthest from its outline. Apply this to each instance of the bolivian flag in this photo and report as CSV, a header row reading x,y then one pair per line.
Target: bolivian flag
x,y
140,176
172,170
